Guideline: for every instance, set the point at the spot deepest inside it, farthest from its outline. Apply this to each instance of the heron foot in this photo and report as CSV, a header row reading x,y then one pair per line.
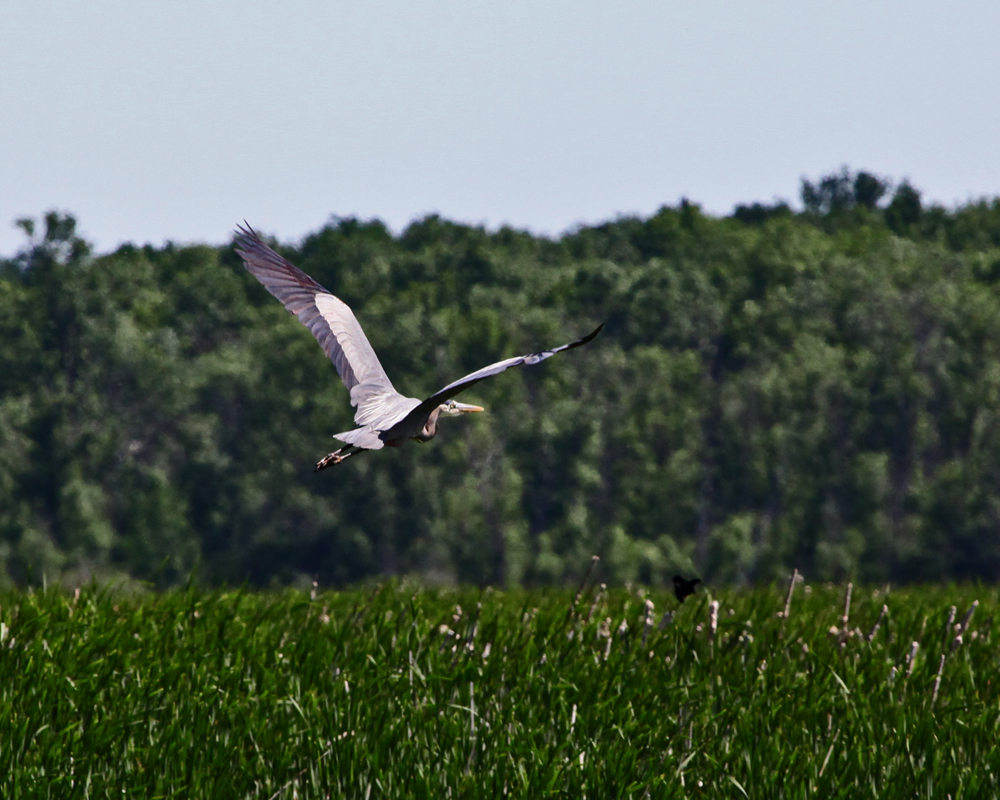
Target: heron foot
x,y
336,457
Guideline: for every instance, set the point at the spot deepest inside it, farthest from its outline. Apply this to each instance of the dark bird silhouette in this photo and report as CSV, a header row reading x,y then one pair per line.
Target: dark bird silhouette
x,y
684,587
385,418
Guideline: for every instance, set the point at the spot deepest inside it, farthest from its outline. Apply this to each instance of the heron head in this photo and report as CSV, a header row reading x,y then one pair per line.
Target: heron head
x,y
454,408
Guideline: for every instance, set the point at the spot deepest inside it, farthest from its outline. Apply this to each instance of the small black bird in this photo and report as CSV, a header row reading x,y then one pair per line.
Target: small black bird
x,y
683,587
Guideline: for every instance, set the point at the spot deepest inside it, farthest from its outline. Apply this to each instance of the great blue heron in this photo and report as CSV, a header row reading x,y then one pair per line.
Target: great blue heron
x,y
384,416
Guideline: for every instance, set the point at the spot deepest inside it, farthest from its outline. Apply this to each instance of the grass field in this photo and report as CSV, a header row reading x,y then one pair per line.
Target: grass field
x,y
399,691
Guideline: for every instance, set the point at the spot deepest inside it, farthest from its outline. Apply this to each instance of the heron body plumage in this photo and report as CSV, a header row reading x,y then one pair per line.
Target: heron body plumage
x,y
385,418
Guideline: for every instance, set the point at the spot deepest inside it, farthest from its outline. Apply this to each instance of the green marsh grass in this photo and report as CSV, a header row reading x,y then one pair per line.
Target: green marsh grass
x,y
408,692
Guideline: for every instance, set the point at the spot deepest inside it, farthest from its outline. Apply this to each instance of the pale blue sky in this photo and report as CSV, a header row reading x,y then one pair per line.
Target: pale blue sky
x,y
176,120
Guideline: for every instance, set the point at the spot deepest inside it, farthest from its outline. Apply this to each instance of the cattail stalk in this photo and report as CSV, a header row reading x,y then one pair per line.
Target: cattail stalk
x,y
845,617
911,659
648,626
968,614
579,589
847,605
829,753
937,680
597,601
878,622
788,598
470,639
950,622
472,709
963,625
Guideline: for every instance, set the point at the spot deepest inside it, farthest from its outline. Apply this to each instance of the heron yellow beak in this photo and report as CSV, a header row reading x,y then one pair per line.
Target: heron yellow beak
x,y
465,408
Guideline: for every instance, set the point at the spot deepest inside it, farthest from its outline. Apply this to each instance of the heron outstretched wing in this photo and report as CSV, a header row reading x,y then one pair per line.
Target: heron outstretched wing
x,y
330,320
453,388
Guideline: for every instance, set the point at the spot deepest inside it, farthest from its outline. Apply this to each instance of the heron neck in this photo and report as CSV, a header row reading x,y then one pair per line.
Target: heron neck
x,y
429,431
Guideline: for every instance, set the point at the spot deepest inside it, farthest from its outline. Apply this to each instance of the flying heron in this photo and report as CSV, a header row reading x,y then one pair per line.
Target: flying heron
x,y
384,416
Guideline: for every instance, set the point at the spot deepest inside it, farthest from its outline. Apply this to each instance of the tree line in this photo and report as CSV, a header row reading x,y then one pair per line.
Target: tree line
x,y
816,388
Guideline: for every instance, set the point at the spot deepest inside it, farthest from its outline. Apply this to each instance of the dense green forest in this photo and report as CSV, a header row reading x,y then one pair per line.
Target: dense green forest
x,y
776,388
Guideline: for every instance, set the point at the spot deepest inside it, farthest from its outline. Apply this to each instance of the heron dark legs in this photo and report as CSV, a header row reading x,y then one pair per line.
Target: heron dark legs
x,y
337,456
